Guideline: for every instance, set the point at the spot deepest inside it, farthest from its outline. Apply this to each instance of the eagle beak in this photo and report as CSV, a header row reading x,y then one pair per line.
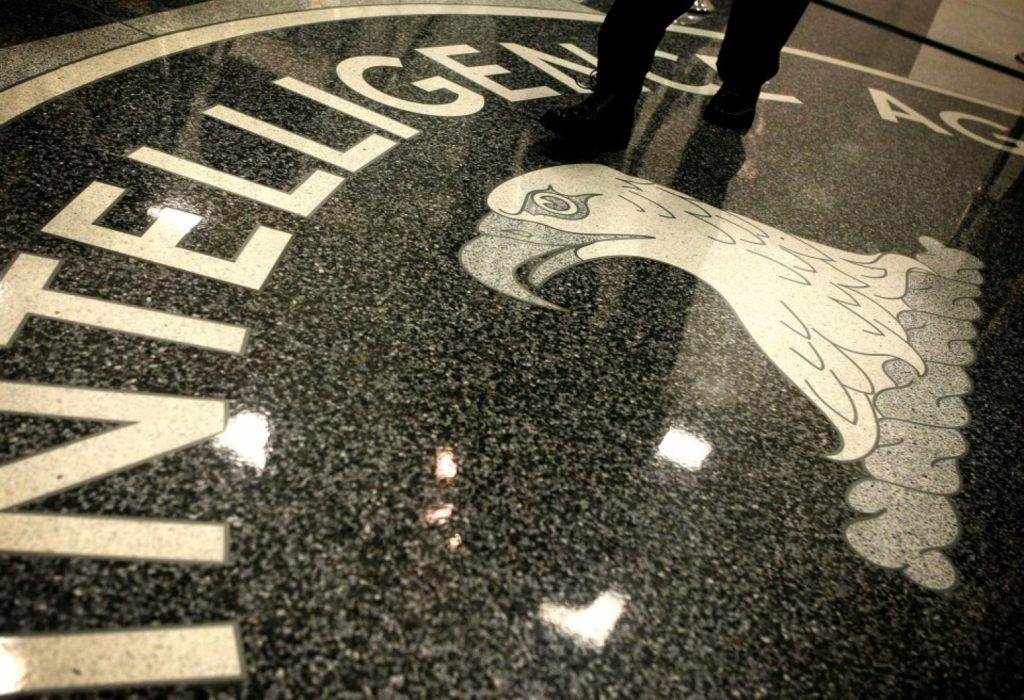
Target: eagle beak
x,y
499,263
514,256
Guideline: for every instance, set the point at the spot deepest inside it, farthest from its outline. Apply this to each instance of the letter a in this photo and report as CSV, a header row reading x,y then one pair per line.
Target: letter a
x,y
887,107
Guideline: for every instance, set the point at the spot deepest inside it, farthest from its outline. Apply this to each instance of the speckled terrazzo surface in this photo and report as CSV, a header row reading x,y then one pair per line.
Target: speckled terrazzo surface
x,y
359,566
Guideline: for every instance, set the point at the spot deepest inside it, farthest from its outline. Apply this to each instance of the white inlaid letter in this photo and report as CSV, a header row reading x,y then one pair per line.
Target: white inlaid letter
x,y
1005,143
712,62
481,74
352,160
303,200
345,107
160,655
23,292
547,63
588,57
46,534
158,244
150,426
892,110
706,89
352,72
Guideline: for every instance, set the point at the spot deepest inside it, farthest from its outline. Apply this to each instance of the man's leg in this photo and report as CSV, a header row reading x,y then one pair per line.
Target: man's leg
x,y
626,44
749,57
628,39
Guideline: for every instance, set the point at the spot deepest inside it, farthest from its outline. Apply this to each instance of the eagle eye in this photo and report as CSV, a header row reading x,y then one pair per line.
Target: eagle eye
x,y
550,202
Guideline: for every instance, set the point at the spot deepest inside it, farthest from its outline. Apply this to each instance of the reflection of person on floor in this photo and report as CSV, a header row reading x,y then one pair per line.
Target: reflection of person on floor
x,y
630,34
708,163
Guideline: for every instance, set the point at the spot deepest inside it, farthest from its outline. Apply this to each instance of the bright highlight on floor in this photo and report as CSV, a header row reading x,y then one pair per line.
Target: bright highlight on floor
x,y
684,449
591,625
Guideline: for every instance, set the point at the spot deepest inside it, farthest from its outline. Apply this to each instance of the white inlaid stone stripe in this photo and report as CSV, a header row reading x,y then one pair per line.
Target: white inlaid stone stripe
x,y
23,293
46,534
159,656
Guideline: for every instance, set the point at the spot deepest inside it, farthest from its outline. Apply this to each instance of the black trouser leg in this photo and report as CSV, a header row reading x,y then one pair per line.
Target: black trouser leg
x,y
628,39
754,37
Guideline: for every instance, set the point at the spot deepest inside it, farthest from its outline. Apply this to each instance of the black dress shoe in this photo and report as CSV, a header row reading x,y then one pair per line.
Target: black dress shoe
x,y
732,108
601,121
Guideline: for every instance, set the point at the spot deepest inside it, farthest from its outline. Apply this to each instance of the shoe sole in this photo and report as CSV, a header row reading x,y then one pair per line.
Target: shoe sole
x,y
736,122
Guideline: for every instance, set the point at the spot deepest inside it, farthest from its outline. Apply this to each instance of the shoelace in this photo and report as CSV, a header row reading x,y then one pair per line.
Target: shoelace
x,y
587,82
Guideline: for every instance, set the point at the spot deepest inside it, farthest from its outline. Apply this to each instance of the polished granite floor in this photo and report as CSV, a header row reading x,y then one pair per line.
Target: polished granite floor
x,y
327,372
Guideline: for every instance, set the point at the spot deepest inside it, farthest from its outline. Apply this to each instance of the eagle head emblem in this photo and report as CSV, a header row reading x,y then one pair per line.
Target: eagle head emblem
x,y
877,343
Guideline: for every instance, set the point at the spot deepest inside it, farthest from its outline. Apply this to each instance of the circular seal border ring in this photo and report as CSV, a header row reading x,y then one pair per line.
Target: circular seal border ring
x,y
33,92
